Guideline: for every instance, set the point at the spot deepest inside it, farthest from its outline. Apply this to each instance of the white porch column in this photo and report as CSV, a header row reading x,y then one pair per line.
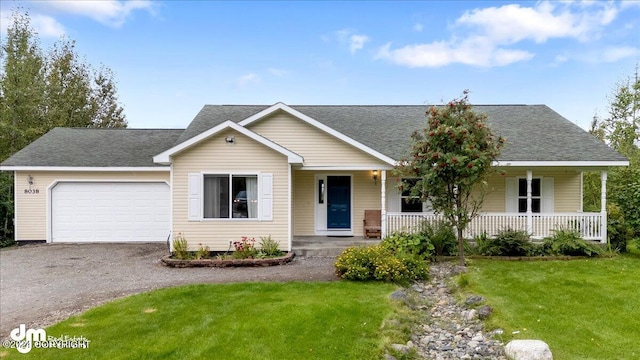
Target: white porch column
x,y
529,212
603,205
383,203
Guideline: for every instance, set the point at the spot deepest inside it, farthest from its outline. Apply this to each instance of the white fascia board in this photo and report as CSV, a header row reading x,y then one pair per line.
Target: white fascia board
x,y
315,123
165,157
84,168
347,168
561,163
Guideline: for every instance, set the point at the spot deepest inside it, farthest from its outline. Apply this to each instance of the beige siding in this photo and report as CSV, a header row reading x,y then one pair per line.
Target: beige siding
x,y
366,196
303,203
566,194
246,156
314,145
566,189
31,209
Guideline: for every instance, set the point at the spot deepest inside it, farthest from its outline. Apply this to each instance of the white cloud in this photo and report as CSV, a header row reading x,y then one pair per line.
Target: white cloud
x,y
418,27
246,79
486,37
613,54
45,26
108,12
355,41
474,52
512,23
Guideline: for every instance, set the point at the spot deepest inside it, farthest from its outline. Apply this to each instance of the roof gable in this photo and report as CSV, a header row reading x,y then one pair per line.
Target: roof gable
x,y
318,125
165,156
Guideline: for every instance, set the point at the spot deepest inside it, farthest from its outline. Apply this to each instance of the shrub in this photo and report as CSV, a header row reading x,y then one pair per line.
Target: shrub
x,y
415,244
378,262
441,235
269,247
568,242
618,229
181,247
245,248
203,252
507,243
417,267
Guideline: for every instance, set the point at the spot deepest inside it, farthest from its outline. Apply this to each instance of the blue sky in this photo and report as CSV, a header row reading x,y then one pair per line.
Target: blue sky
x,y
170,58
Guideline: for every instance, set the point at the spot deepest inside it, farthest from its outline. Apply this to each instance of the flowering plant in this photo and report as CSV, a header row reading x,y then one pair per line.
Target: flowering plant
x,y
245,248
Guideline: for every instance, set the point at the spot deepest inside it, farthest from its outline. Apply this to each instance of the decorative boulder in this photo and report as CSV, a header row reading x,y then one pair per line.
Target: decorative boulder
x,y
528,350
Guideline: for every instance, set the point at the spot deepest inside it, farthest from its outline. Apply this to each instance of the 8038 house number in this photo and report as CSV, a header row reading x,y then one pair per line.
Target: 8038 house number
x,y
31,191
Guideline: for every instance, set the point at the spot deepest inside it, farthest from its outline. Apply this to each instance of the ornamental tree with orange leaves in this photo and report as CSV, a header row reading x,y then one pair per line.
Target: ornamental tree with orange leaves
x,y
449,163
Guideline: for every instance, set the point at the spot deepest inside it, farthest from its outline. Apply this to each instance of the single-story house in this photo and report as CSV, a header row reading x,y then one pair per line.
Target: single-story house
x,y
289,171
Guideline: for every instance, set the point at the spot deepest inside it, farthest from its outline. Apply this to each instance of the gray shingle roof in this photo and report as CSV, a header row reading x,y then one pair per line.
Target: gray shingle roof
x,y
80,147
533,133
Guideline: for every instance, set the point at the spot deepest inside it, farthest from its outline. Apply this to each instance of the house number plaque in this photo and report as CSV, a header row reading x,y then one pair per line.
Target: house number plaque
x,y
31,191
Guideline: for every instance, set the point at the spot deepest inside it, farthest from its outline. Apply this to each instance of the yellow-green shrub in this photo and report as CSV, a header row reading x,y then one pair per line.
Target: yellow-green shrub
x,y
377,262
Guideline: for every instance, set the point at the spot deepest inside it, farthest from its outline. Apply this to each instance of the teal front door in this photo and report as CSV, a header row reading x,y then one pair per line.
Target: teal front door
x,y
338,202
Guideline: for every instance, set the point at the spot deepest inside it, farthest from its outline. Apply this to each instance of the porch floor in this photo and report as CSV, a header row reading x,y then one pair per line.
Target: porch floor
x,y
327,246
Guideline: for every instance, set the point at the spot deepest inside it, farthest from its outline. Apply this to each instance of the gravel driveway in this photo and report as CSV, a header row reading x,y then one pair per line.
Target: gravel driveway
x,y
46,283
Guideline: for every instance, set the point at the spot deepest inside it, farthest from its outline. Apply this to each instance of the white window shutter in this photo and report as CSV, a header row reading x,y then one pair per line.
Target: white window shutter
x,y
511,195
426,207
266,197
547,195
195,196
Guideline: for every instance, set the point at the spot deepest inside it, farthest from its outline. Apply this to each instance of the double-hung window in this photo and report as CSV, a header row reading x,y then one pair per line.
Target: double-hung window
x,y
230,196
410,203
536,195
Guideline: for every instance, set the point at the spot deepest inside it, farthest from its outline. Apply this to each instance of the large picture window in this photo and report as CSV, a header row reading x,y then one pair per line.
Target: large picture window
x,y
536,195
230,196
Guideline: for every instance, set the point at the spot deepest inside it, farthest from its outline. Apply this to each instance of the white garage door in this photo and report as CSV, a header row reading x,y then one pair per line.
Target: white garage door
x,y
87,212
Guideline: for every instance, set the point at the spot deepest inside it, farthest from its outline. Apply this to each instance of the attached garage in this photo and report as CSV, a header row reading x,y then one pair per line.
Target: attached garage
x,y
110,212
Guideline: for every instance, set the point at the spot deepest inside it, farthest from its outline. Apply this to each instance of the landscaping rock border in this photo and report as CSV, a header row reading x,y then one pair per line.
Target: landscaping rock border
x,y
179,263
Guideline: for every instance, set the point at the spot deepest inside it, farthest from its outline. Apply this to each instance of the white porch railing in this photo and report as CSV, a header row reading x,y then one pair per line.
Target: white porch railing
x,y
589,225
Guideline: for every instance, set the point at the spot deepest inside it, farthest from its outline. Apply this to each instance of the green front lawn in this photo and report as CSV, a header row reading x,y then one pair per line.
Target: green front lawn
x,y
321,320
584,309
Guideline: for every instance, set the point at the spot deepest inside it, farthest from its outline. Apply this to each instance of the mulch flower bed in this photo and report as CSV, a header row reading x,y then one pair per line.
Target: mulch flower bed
x,y
179,263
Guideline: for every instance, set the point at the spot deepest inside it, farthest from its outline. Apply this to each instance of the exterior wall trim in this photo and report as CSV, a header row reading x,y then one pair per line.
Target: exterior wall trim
x,y
15,207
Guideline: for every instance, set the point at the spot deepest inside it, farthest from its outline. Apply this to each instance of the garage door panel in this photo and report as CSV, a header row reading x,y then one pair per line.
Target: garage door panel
x,y
102,212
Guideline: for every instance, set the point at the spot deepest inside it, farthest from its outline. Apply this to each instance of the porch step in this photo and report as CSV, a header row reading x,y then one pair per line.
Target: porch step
x,y
322,246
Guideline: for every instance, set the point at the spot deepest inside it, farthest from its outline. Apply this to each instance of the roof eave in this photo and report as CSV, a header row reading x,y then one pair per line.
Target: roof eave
x,y
84,168
561,163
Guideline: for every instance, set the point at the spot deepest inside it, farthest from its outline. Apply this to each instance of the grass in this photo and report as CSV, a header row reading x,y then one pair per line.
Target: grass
x,y
584,309
321,320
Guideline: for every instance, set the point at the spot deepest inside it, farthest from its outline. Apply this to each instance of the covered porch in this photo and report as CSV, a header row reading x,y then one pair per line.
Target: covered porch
x,y
526,208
